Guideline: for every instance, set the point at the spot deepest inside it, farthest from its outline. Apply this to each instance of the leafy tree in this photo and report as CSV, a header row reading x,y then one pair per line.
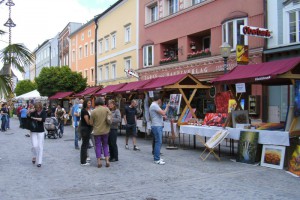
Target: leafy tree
x,y
59,79
24,87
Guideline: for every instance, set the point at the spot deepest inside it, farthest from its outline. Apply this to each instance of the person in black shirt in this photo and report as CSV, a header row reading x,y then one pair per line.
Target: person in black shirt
x,y
130,123
4,114
38,116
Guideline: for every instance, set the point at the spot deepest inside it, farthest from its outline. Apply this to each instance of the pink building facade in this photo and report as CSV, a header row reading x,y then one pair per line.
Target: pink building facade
x,y
184,36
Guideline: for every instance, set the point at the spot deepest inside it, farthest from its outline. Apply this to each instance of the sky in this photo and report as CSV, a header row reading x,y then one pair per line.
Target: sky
x,y
39,20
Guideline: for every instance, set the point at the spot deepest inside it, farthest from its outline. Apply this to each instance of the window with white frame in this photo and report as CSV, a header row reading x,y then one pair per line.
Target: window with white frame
x,y
294,26
92,74
152,13
113,41
82,36
231,32
113,71
85,73
127,33
73,56
106,43
106,72
148,55
100,73
92,48
89,33
86,50
197,1
80,53
206,42
173,6
100,46
127,63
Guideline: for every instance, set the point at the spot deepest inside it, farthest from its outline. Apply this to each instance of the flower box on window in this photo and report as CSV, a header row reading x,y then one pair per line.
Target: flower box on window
x,y
198,54
168,60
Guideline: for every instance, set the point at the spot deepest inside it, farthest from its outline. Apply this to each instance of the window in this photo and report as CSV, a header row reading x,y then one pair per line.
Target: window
x,y
206,43
92,48
197,1
73,56
113,41
173,6
113,71
80,53
128,63
148,56
106,72
100,73
294,26
86,52
92,74
127,33
82,36
85,73
231,32
153,13
89,33
106,43
100,46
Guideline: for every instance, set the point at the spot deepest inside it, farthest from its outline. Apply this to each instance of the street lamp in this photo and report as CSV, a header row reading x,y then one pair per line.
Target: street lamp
x,y
225,52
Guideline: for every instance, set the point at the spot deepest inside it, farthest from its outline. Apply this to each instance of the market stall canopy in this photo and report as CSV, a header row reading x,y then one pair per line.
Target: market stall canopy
x,y
133,86
61,95
110,89
88,91
269,73
30,95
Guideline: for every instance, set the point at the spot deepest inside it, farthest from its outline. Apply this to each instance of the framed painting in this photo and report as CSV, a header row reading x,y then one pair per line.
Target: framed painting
x,y
175,101
247,147
240,117
273,156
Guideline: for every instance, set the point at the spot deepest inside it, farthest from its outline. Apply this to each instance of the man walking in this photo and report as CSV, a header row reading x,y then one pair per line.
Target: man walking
x,y
130,123
156,115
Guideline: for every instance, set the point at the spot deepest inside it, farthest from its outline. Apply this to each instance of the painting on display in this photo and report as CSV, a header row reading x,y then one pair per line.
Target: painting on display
x,y
239,117
294,162
297,99
273,156
247,147
188,115
215,119
221,101
174,108
232,104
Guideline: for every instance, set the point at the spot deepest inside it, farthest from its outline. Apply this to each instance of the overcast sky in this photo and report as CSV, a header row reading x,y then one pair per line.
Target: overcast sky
x,y
39,20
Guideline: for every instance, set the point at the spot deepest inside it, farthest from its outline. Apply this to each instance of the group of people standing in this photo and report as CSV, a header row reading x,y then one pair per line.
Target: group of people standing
x,y
5,113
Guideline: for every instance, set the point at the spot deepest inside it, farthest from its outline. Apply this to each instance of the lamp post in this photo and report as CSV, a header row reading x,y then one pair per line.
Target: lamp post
x,y
225,52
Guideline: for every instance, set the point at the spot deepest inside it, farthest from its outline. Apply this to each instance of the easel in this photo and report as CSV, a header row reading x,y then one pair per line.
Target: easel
x,y
172,138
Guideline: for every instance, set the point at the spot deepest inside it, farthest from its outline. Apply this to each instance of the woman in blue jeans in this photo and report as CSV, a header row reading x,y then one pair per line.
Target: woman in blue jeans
x,y
112,136
4,113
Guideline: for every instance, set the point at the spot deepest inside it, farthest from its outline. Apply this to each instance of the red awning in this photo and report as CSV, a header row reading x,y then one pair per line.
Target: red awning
x,y
163,81
61,95
88,91
258,72
133,86
110,89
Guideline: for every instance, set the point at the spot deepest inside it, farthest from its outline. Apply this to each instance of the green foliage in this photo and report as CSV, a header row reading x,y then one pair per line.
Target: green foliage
x,y
59,79
24,87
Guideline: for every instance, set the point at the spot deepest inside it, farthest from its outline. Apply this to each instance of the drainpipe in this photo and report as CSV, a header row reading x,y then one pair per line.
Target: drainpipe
x,y
96,53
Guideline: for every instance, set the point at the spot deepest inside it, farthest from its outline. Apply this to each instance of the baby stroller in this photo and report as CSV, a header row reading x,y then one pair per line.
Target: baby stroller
x,y
52,126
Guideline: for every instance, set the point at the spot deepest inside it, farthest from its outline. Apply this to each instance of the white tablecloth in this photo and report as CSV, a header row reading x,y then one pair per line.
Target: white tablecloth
x,y
167,127
265,136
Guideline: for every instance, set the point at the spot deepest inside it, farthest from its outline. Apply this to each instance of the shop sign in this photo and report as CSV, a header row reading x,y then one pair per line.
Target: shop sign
x,y
255,31
242,55
240,88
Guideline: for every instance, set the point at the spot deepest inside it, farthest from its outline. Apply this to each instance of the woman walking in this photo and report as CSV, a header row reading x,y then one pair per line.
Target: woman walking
x,y
86,130
112,137
59,114
38,117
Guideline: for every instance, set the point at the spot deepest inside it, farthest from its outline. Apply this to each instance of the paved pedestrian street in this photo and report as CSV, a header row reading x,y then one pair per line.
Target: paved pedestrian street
x,y
134,176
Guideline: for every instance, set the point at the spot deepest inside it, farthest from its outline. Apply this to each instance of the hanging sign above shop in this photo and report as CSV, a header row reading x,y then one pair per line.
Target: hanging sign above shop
x,y
242,55
255,31
240,88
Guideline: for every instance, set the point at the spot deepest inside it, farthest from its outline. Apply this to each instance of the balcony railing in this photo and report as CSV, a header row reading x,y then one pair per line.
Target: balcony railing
x,y
168,60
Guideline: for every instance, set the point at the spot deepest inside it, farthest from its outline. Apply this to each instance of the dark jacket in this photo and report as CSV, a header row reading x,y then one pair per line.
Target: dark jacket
x,y
40,124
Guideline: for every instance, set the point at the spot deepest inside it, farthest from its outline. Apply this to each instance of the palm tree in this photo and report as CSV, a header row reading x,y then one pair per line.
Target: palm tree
x,y
14,55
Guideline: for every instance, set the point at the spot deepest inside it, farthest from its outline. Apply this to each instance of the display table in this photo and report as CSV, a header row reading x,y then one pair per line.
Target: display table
x,y
265,136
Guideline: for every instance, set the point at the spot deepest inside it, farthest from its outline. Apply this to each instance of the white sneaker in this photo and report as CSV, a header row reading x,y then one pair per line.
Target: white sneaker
x,y
88,159
126,146
85,164
159,162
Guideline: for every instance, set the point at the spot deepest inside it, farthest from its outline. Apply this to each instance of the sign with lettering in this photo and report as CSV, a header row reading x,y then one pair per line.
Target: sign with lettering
x,y
255,31
240,88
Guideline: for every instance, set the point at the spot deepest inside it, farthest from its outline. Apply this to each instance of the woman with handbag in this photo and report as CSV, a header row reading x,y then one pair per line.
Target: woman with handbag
x,y
37,117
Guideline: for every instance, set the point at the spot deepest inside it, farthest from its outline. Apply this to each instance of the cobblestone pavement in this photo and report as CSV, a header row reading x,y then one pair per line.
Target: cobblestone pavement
x,y
134,176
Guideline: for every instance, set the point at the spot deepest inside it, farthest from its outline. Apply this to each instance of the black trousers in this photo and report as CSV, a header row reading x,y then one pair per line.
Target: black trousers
x,y
112,142
85,136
